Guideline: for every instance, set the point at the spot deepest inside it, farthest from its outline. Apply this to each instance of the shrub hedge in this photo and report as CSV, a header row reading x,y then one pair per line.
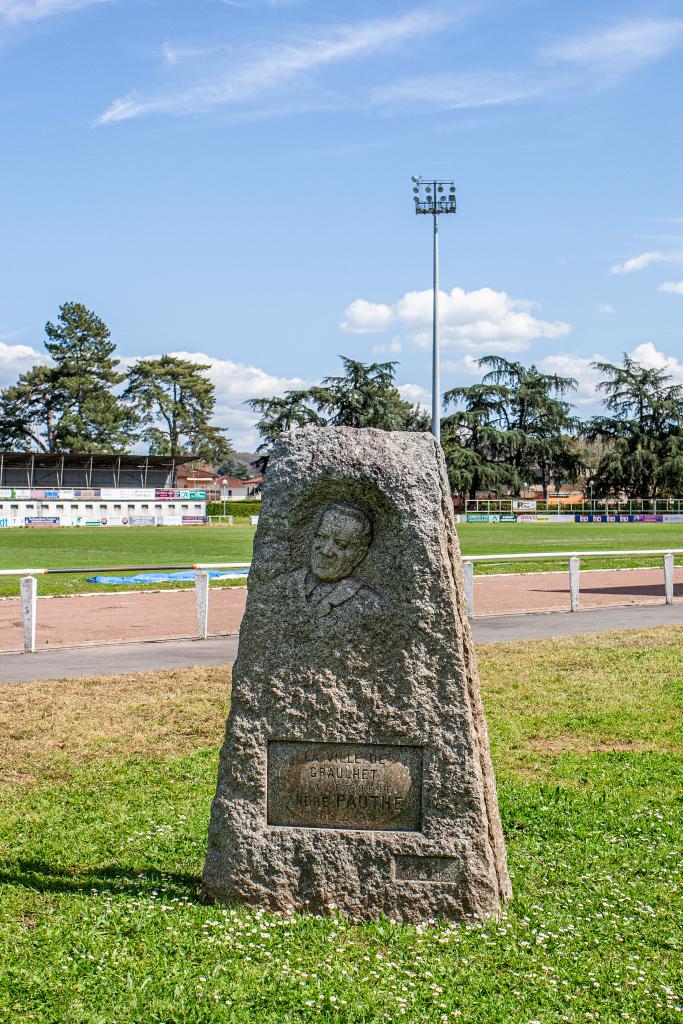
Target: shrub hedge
x,y
238,509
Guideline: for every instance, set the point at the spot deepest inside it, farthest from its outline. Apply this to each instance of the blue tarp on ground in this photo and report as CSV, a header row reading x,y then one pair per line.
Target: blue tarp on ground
x,y
168,577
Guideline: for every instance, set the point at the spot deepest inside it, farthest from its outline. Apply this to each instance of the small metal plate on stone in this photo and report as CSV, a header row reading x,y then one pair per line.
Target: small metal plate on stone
x,y
446,870
344,785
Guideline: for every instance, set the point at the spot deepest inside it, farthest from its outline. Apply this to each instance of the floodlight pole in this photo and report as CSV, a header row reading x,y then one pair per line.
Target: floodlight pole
x,y
435,197
436,368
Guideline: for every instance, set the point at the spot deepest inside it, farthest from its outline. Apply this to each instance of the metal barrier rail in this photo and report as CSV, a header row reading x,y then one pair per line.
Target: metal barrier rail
x,y
29,584
28,590
574,558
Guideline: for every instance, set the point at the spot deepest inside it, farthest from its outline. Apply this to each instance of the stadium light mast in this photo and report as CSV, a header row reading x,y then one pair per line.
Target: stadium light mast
x,y
435,197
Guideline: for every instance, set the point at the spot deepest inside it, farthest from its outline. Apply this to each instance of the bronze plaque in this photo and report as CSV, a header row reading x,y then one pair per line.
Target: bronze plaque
x,y
447,870
344,785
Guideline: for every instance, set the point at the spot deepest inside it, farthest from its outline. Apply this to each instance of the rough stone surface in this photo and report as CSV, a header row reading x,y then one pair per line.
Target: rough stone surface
x,y
356,772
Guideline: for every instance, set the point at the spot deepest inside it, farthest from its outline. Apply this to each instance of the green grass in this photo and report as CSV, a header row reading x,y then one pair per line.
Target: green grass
x,y
99,920
71,547
518,538
62,548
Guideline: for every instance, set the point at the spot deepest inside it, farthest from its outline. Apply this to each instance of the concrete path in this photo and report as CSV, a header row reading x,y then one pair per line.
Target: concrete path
x,y
116,659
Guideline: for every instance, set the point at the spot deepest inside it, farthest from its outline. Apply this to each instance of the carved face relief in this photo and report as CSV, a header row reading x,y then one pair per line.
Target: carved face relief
x,y
341,543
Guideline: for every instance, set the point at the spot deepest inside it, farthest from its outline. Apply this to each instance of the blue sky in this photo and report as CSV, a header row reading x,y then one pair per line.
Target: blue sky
x,y
232,178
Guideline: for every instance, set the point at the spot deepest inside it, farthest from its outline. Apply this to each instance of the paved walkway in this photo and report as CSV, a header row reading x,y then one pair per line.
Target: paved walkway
x,y
71,663
165,614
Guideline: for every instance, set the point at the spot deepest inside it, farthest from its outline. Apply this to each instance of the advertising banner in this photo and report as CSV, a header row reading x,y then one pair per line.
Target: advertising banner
x,y
5,493
672,517
194,520
164,494
129,493
477,517
142,521
41,521
194,495
523,505
508,517
86,493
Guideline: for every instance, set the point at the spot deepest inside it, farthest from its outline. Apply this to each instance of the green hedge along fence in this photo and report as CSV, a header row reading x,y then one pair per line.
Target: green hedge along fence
x,y
238,509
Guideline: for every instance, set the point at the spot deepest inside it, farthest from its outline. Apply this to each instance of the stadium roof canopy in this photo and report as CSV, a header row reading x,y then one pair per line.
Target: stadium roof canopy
x,y
57,469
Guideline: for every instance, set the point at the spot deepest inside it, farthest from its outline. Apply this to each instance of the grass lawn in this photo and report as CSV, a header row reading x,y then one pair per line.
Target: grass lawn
x,y
104,805
71,547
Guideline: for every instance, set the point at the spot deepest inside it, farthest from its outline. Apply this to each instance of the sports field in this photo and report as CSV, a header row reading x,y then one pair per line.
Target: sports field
x,y
62,548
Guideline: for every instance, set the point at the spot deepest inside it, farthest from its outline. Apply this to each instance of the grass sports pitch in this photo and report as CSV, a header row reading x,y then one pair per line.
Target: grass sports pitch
x,y
97,547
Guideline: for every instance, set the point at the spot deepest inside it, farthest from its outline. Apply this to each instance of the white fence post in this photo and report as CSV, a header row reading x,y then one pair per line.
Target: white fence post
x,y
469,588
669,578
29,590
574,570
201,590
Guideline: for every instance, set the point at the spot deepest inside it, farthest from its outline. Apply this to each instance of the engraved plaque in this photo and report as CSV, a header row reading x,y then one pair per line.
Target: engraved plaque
x,y
344,785
447,870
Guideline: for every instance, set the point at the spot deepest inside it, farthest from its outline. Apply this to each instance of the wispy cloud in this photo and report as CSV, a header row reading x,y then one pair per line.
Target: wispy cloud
x,y
672,287
249,77
619,48
457,92
16,11
646,259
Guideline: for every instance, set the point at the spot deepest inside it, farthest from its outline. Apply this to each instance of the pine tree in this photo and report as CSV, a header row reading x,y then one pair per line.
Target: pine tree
x,y
91,417
174,401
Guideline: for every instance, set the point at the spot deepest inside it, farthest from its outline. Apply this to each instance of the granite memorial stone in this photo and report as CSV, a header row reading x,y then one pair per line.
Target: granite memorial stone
x,y
355,771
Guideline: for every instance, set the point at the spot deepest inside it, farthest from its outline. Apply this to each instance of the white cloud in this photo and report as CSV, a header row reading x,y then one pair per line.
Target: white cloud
x,y
283,64
363,317
16,359
235,383
479,320
393,347
652,359
416,395
672,287
569,364
605,307
646,259
15,11
620,48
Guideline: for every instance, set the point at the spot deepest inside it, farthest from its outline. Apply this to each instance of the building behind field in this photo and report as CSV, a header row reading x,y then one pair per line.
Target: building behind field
x,y
54,489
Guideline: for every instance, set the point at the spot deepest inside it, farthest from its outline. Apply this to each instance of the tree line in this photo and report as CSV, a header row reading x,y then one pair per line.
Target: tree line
x,y
84,401
516,427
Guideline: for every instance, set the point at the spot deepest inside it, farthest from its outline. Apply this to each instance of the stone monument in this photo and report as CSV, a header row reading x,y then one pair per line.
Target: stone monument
x,y
355,772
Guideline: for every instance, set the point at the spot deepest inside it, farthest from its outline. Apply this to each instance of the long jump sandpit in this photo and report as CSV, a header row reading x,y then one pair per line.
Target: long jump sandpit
x,y
116,617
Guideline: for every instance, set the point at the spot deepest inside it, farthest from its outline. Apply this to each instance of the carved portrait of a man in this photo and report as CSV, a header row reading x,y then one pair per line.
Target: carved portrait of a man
x,y
340,545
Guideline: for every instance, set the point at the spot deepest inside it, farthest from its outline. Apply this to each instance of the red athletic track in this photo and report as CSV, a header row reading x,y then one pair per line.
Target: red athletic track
x,y
114,616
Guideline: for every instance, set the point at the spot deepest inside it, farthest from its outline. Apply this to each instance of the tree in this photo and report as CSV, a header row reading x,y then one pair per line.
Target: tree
x,y
475,447
90,416
515,427
364,396
642,434
174,402
29,411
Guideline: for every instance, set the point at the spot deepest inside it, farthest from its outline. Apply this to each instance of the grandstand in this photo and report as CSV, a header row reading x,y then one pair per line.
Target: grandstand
x,y
58,489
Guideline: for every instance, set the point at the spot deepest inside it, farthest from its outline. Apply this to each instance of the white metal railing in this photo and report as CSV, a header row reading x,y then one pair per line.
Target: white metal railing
x,y
574,560
29,584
